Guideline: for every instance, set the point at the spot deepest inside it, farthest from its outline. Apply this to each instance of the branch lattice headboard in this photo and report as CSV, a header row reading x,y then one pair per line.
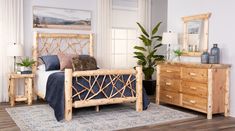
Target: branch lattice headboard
x,y
53,43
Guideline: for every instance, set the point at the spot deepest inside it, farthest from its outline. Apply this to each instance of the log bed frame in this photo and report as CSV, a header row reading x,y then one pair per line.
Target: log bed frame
x,y
50,44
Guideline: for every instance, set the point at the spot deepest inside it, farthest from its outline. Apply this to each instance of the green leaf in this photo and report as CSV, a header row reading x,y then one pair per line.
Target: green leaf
x,y
141,62
178,52
148,72
139,53
158,57
155,29
143,30
159,45
146,41
140,48
27,62
159,38
140,58
151,54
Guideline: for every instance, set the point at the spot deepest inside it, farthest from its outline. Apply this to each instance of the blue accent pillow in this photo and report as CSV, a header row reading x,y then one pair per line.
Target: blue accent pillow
x,y
51,62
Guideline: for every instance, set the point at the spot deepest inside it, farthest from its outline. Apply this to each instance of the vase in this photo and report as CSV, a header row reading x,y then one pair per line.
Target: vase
x,y
215,52
205,57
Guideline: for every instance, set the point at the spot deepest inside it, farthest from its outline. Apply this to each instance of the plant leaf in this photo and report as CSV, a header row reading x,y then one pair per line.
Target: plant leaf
x,y
139,53
148,72
140,48
159,38
159,45
155,29
143,30
146,41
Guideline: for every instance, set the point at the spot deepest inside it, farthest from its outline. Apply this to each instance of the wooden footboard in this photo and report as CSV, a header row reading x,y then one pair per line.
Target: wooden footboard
x,y
110,99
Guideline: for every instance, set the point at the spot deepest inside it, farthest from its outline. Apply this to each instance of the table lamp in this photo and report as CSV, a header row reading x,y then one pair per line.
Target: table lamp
x,y
15,50
169,39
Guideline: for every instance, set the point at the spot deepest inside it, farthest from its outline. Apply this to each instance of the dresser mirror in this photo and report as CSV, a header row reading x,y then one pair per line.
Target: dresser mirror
x,y
195,34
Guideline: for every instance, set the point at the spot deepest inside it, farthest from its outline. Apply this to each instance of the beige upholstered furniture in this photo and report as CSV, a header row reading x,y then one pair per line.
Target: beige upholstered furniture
x,y
200,87
54,43
28,88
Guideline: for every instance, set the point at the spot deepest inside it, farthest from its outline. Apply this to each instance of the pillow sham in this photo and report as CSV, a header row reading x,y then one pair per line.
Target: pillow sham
x,y
51,62
84,62
65,60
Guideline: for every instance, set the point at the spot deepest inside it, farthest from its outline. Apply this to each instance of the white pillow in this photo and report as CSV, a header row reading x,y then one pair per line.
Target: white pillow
x,y
42,67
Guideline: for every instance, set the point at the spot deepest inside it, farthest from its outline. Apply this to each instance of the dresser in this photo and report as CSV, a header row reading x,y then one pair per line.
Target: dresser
x,y
200,87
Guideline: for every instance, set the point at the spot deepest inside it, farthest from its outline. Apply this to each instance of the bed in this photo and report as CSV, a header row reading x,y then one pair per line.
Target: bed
x,y
101,86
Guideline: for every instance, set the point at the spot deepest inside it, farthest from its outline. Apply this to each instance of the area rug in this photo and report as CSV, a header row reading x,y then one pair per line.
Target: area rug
x,y
112,117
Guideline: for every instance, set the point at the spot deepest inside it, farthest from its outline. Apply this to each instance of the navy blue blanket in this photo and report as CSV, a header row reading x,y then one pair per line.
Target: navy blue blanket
x,y
55,91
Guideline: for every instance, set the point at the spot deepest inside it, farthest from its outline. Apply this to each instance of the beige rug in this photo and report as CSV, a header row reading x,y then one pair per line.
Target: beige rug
x,y
112,117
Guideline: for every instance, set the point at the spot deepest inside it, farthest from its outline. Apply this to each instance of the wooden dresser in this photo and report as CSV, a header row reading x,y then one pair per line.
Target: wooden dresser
x,y
200,87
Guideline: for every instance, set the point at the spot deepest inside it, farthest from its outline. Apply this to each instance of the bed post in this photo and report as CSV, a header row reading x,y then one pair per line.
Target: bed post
x,y
68,94
35,51
139,94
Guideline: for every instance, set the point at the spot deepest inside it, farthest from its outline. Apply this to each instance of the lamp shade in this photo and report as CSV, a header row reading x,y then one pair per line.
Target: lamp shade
x,y
15,50
169,38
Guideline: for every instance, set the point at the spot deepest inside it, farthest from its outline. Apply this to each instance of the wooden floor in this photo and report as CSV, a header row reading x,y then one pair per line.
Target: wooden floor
x,y
218,123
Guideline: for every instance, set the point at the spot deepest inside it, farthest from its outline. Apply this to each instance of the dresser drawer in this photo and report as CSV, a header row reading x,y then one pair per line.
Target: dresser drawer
x,y
194,74
170,72
198,89
170,97
170,84
196,103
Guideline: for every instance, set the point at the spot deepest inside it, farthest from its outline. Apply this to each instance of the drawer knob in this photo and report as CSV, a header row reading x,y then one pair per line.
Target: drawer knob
x,y
168,71
168,83
193,88
168,96
192,74
192,101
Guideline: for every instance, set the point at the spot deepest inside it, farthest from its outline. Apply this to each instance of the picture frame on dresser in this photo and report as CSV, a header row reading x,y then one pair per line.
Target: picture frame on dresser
x,y
200,87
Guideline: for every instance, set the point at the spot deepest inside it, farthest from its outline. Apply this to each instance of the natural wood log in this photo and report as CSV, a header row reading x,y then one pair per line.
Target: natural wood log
x,y
63,35
30,91
139,90
91,50
103,101
210,101
103,72
227,104
97,108
68,94
12,92
196,17
158,85
196,65
35,52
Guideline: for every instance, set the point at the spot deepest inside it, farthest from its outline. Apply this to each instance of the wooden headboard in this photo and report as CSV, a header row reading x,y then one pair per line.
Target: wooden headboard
x,y
53,43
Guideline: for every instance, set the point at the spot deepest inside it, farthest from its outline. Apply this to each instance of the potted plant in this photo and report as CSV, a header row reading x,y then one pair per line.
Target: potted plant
x,y
26,65
147,56
178,53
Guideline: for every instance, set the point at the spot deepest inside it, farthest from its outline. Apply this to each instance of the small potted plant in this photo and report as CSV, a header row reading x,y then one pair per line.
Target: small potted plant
x,y
26,65
147,56
178,54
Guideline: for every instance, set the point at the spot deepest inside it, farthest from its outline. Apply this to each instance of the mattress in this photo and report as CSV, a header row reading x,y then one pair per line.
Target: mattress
x,y
41,81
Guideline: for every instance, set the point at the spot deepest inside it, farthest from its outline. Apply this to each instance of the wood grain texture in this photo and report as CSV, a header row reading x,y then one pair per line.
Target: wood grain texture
x,y
203,89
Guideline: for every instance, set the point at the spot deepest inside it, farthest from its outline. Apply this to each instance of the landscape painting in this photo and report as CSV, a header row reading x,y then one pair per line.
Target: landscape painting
x,y
58,18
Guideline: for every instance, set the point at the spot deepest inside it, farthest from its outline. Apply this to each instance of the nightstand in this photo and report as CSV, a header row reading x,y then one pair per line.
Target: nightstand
x,y
28,88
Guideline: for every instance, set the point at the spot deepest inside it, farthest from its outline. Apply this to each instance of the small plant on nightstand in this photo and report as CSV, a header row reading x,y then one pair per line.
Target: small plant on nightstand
x,y
26,65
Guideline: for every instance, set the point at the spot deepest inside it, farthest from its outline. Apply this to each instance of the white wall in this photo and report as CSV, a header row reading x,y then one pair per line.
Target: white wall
x,y
221,28
90,5
159,14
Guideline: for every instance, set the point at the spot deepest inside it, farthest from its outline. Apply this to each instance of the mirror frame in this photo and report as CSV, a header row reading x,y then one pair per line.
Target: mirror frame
x,y
205,18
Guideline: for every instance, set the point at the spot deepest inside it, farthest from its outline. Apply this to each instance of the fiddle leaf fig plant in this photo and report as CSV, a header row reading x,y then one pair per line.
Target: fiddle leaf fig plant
x,y
146,54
